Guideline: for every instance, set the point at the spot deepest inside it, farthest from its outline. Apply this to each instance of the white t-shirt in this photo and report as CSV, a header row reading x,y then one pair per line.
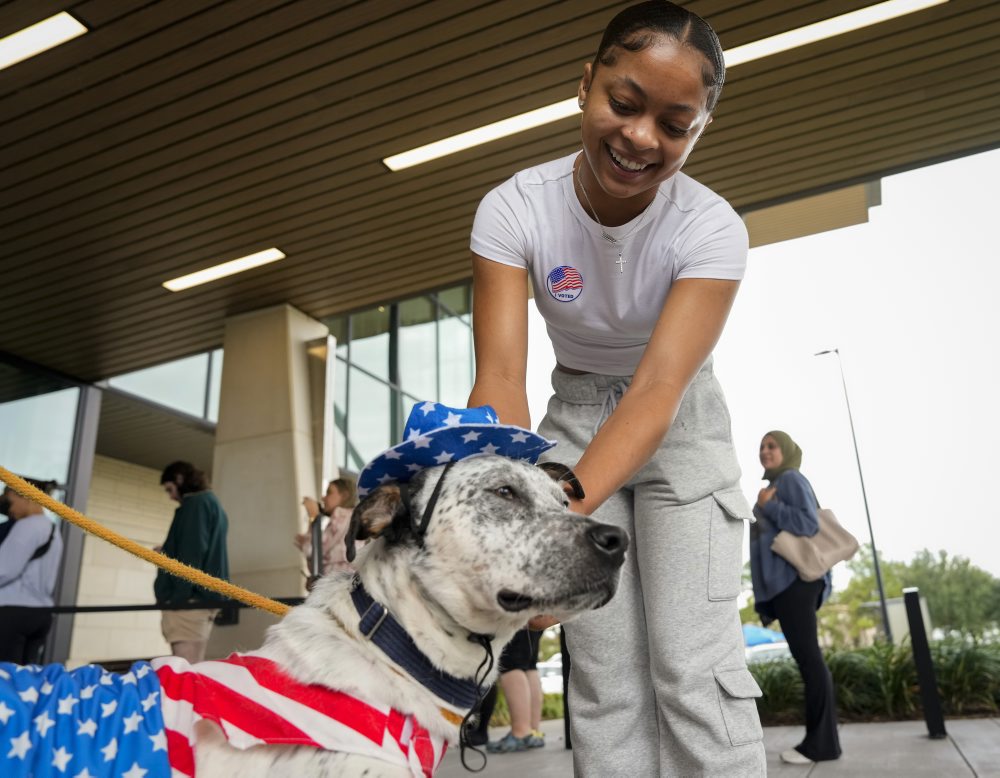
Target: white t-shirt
x,y
600,319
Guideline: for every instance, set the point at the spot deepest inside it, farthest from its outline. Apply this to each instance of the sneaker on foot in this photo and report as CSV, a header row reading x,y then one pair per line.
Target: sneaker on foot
x,y
794,756
508,743
535,739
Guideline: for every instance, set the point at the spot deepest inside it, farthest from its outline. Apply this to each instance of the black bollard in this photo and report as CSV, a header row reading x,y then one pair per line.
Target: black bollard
x,y
925,667
565,675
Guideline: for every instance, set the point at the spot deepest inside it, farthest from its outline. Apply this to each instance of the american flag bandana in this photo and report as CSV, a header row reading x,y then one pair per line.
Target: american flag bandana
x,y
88,723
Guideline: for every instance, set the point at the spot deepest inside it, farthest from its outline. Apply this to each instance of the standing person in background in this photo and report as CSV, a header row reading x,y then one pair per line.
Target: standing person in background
x,y
197,537
522,688
338,503
30,556
788,503
635,267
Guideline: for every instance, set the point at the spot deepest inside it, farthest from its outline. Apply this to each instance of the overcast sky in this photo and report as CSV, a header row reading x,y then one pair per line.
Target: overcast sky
x,y
910,299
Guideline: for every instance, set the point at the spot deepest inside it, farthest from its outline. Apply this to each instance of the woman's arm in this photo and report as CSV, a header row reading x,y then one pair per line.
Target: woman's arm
x,y
500,330
685,334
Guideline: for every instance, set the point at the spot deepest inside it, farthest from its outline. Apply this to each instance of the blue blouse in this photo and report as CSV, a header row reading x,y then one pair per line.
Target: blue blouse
x,y
793,508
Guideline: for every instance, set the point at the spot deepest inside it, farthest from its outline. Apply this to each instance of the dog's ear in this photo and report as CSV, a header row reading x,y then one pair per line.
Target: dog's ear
x,y
563,475
374,515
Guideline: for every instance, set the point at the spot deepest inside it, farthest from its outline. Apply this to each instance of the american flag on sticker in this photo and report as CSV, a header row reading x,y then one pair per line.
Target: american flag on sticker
x,y
565,283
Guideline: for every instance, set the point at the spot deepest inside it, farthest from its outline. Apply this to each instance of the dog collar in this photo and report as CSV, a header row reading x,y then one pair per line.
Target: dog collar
x,y
379,626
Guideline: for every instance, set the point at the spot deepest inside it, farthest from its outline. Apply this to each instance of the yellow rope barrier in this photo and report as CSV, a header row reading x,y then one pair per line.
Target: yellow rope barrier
x,y
172,566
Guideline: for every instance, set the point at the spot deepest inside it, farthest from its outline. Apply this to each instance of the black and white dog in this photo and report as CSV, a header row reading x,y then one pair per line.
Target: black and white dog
x,y
381,668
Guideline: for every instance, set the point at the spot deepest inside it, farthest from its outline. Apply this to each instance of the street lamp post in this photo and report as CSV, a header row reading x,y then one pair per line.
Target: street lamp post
x,y
864,496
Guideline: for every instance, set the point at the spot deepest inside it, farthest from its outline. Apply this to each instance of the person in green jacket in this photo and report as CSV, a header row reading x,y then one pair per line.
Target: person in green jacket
x,y
197,537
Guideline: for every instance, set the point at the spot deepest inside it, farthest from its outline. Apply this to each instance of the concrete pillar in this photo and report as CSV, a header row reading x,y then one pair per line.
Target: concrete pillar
x,y
264,459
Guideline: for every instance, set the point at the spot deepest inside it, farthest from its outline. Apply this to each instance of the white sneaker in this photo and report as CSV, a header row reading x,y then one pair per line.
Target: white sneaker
x,y
791,756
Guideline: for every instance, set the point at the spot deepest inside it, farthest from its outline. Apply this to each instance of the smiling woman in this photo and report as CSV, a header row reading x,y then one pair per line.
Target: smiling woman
x,y
635,267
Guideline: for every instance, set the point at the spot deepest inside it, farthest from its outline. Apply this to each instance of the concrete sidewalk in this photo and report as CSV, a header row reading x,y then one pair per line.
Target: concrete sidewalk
x,y
897,748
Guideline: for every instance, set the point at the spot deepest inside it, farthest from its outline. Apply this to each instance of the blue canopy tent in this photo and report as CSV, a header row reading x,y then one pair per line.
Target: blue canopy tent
x,y
755,636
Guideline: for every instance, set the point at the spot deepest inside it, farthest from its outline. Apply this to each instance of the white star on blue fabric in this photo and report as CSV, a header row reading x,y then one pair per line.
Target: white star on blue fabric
x,y
110,751
159,740
470,436
129,677
392,454
428,407
421,441
88,727
142,671
519,437
134,771
19,745
5,675
150,701
443,457
106,680
385,479
84,773
5,712
413,467
46,688
43,723
452,420
107,708
489,448
29,695
132,722
66,703
60,758
87,692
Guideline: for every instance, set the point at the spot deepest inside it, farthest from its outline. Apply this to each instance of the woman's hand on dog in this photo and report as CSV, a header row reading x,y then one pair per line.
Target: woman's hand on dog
x,y
539,623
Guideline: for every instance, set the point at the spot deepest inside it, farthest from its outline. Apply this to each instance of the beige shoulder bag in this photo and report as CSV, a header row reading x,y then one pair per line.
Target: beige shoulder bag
x,y
813,556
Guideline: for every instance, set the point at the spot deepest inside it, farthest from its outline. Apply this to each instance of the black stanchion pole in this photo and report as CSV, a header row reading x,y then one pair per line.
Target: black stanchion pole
x,y
925,666
565,675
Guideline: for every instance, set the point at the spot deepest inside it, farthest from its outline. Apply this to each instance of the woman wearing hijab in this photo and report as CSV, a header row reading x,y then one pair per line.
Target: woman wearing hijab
x,y
789,503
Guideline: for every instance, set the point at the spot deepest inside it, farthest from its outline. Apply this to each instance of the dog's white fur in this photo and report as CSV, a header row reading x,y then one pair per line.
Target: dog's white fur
x,y
499,525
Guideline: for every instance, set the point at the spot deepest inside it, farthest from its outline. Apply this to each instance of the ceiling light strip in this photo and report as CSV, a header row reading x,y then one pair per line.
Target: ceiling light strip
x,y
39,37
485,134
828,28
225,269
838,25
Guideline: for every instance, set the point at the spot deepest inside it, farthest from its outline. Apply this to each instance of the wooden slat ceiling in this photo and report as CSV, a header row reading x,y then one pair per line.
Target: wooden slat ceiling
x,y
180,133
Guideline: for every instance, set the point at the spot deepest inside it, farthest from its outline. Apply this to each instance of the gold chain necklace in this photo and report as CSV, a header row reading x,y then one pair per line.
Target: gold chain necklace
x,y
618,243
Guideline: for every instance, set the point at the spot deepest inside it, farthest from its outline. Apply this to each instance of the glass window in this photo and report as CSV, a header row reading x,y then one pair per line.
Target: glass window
x,y
457,300
214,386
368,422
179,384
418,349
456,360
38,419
370,341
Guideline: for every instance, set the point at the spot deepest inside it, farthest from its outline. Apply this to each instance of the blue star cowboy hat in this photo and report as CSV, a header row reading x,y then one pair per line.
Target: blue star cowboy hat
x,y
436,434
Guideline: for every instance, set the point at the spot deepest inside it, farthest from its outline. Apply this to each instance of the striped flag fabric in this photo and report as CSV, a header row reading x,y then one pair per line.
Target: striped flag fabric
x,y
255,702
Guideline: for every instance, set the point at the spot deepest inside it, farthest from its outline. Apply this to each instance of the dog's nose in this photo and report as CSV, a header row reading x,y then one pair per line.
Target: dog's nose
x,y
610,541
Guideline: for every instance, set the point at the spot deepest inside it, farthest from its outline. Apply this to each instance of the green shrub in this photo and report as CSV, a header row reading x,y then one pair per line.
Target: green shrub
x,y
895,679
855,681
781,684
552,708
968,676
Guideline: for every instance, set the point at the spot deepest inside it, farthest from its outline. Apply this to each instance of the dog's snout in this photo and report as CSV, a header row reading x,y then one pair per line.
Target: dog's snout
x,y
610,541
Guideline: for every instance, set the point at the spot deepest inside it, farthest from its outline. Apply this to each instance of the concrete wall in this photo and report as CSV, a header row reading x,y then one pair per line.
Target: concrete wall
x,y
128,499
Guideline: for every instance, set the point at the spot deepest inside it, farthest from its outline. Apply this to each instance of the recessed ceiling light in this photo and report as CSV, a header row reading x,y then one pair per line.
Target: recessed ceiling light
x,y
225,269
765,47
38,38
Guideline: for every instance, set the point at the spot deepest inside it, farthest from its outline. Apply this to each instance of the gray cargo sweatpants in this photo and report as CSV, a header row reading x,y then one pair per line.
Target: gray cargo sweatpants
x,y
659,684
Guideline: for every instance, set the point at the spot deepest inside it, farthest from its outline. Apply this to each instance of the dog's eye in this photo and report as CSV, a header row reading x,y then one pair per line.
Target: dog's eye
x,y
506,492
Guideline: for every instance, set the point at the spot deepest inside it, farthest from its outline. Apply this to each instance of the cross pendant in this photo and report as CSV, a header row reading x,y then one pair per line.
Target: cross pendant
x,y
621,263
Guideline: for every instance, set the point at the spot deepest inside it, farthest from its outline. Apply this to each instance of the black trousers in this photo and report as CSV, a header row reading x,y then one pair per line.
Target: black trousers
x,y
796,610
22,633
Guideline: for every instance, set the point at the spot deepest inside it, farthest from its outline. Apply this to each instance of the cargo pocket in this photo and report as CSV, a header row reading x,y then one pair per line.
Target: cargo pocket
x,y
737,693
725,568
